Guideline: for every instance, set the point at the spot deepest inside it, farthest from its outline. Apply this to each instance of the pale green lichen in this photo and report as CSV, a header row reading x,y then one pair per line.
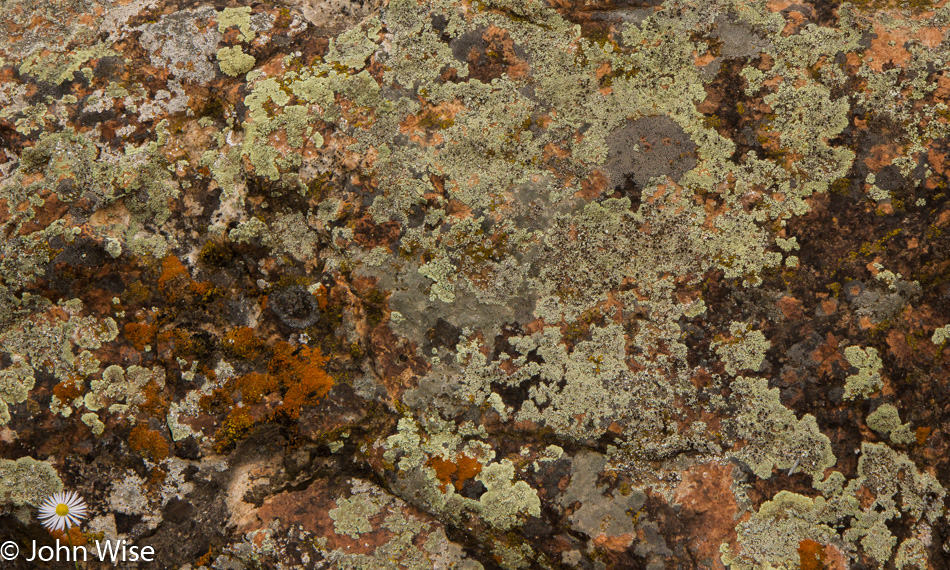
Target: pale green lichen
x,y
352,516
354,46
504,503
16,381
122,389
886,421
402,531
440,271
941,336
92,420
774,436
770,538
57,68
744,351
240,17
27,481
868,379
233,61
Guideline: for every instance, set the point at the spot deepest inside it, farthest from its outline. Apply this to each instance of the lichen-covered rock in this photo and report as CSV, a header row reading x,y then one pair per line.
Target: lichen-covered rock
x,y
479,284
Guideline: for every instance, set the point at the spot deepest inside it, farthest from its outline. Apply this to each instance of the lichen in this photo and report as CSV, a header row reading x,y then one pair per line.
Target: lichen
x,y
27,481
886,421
774,436
240,17
233,61
868,379
744,351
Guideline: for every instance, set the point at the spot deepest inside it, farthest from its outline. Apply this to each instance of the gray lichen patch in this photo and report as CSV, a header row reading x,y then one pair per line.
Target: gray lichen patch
x,y
599,513
294,306
176,42
647,148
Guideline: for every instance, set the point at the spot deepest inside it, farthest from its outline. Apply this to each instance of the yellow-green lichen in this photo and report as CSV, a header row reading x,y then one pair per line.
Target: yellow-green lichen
x,y
886,421
744,351
92,420
774,436
240,17
27,481
233,61
868,379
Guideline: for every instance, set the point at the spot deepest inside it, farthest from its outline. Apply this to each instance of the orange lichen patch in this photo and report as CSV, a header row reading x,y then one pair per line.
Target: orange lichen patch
x,y
140,334
811,555
76,537
443,470
68,390
922,434
468,467
148,442
321,295
255,385
179,340
172,271
155,404
457,473
201,288
243,343
300,372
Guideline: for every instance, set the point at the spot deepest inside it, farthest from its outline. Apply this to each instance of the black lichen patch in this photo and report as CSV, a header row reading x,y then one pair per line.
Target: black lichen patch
x,y
294,306
647,148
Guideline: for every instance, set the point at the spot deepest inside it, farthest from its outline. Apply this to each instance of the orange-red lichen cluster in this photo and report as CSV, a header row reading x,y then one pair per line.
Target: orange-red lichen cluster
x,y
140,334
148,442
243,343
300,372
296,373
811,555
68,390
172,272
457,472
255,386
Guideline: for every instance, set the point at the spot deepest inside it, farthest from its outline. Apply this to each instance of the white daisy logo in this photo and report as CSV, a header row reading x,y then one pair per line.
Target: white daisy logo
x,y
62,510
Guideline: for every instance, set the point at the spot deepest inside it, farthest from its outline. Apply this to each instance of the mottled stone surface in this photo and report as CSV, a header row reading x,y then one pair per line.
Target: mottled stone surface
x,y
479,284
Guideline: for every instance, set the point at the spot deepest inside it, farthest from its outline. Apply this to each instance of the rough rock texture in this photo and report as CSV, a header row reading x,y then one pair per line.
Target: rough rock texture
x,y
479,284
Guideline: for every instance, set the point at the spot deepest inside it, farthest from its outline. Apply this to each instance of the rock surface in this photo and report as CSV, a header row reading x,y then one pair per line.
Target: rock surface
x,y
478,284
